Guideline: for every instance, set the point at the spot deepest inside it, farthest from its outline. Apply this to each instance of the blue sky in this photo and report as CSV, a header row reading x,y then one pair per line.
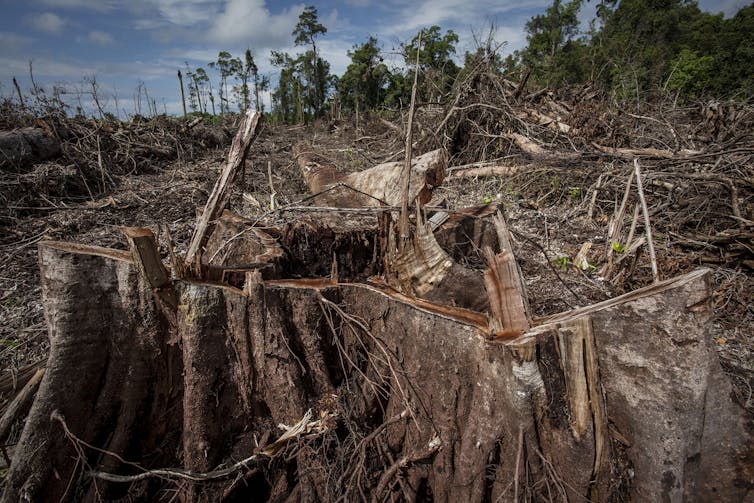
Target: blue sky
x,y
122,43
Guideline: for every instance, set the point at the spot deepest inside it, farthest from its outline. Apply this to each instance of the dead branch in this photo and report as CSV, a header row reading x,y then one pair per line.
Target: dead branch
x,y
221,191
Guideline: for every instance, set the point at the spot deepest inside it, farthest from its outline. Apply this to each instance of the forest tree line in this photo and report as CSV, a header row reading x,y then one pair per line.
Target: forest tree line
x,y
632,49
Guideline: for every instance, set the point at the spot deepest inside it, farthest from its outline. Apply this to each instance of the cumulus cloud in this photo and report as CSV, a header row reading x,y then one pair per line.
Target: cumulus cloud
x,y
250,22
100,38
47,22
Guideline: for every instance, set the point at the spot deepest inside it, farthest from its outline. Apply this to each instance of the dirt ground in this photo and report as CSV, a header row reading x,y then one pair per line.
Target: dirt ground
x,y
547,205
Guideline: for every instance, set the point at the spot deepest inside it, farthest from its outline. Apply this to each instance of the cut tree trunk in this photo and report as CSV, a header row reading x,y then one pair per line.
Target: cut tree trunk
x,y
377,186
622,400
108,375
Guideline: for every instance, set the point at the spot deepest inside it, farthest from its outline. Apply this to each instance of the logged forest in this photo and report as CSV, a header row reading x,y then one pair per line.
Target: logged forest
x,y
487,278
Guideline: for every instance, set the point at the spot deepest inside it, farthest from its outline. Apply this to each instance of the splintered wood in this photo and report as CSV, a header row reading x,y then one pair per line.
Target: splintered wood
x,y
220,195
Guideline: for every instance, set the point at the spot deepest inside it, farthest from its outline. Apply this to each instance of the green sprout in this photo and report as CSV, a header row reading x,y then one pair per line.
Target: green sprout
x,y
618,248
561,261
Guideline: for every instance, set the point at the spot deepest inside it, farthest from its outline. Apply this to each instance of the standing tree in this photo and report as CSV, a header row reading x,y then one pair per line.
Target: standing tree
x,y
201,84
313,68
227,66
287,98
437,70
194,101
553,50
364,82
244,73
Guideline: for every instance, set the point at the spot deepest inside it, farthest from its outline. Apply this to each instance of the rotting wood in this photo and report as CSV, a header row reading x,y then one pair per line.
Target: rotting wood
x,y
221,191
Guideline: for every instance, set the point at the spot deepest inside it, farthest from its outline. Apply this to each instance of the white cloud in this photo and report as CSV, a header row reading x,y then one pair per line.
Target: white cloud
x,y
95,5
182,13
47,22
335,52
100,38
727,7
410,17
45,67
251,23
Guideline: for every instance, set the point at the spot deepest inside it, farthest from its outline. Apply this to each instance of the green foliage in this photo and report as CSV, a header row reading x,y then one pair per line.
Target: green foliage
x,y
634,47
553,54
561,261
227,66
437,70
691,73
364,84
314,72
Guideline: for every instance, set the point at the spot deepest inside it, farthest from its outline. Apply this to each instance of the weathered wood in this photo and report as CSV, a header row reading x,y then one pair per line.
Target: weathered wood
x,y
107,374
22,147
485,171
377,186
220,195
622,400
147,259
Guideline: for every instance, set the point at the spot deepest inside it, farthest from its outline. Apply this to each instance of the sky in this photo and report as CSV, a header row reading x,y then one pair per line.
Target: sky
x,y
140,44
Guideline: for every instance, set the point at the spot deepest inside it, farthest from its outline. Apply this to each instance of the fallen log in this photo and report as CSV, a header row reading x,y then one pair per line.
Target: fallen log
x,y
22,147
535,151
377,186
484,171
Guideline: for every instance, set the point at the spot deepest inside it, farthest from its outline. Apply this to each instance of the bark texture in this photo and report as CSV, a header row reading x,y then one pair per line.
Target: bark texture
x,y
395,397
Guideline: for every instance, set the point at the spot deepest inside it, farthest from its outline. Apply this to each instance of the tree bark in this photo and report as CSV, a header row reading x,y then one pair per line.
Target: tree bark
x,y
106,374
621,400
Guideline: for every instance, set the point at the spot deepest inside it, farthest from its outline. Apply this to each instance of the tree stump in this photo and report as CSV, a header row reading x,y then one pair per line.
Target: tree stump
x,y
621,400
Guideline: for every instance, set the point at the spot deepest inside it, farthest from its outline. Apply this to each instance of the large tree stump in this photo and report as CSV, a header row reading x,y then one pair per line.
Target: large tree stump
x,y
108,375
425,382
621,400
